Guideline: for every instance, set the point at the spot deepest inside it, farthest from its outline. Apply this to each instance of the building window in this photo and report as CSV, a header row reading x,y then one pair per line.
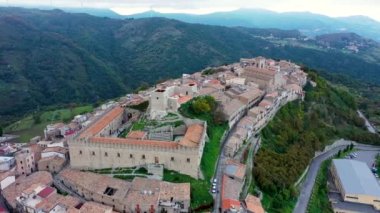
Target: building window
x,y
118,155
188,160
47,167
22,167
106,154
20,162
172,158
93,153
80,152
143,156
157,98
130,156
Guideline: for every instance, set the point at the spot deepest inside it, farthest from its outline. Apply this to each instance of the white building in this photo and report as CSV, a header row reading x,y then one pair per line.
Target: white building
x,y
6,179
6,163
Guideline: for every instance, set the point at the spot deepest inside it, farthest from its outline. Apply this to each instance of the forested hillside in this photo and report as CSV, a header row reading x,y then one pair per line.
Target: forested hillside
x,y
297,131
53,57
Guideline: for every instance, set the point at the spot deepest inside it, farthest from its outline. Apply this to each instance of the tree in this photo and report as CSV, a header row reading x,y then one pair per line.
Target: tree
x,y
339,153
1,131
351,146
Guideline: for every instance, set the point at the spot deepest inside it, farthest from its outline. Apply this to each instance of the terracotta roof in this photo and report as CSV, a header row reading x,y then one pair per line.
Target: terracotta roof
x,y
22,183
230,188
95,208
44,193
56,160
143,191
261,71
135,142
6,174
96,183
232,107
293,87
57,149
193,136
235,169
253,204
265,103
179,191
137,135
103,122
50,202
184,99
231,204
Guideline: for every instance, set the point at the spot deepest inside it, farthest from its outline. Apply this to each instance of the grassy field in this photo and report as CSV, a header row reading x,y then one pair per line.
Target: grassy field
x,y
200,195
34,125
211,150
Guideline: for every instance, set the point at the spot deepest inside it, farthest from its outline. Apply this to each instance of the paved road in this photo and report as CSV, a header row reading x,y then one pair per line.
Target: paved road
x,y
367,123
308,184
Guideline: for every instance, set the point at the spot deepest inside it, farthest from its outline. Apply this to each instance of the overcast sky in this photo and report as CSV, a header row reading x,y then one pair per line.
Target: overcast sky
x,y
333,8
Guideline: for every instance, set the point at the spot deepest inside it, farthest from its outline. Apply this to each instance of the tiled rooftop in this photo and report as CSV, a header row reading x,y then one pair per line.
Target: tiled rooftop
x,y
96,183
95,208
137,135
253,204
193,135
179,191
22,183
102,122
57,149
165,144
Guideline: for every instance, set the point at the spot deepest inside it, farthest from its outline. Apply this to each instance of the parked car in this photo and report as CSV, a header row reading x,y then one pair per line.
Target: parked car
x,y
376,175
215,180
213,191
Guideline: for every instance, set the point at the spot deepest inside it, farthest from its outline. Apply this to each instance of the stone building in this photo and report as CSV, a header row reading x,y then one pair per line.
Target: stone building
x,y
25,162
140,195
169,99
93,149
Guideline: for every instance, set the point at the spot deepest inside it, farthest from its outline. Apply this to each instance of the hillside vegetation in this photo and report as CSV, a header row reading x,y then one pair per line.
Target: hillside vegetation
x,y
299,129
54,58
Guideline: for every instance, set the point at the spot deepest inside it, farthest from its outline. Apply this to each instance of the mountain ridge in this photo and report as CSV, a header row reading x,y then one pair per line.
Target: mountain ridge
x,y
54,57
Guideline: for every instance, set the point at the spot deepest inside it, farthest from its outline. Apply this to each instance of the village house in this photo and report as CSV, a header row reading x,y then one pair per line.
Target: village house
x,y
25,162
253,204
15,189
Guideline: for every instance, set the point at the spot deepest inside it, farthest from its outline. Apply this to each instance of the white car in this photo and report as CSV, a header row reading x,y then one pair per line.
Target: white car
x,y
215,180
214,187
376,175
213,191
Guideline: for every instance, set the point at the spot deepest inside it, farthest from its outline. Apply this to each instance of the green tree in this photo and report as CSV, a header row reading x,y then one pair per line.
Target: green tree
x,y
1,131
351,146
339,153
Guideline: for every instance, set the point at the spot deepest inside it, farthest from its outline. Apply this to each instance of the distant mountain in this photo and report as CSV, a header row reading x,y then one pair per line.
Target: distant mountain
x,y
53,57
308,23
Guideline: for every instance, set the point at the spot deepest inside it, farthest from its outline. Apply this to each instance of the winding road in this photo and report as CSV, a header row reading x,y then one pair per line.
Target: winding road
x,y
308,183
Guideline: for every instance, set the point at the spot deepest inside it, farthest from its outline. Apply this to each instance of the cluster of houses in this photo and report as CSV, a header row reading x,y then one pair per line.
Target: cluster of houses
x,y
246,92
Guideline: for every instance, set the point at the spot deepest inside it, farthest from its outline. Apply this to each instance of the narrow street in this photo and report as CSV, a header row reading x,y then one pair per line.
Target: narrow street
x,y
222,158
369,126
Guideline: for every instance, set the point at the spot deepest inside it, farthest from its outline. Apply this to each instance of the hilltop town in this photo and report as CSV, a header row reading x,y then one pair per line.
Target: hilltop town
x,y
116,158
